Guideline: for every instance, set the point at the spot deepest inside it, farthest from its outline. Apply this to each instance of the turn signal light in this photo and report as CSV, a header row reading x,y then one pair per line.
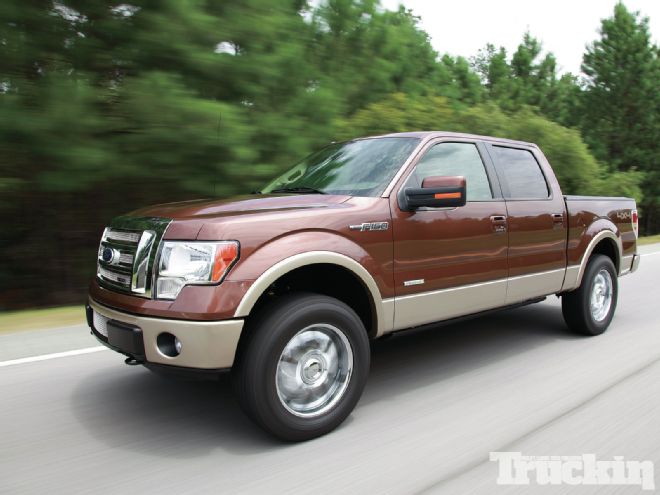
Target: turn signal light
x,y
225,254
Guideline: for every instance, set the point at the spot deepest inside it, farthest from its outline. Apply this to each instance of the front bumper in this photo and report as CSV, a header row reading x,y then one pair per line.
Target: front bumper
x,y
207,345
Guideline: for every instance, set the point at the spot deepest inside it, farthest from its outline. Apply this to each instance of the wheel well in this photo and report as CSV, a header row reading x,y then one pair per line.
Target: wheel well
x,y
609,249
330,280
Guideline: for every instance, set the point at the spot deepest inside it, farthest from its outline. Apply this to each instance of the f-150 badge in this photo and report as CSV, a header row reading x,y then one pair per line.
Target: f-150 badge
x,y
370,226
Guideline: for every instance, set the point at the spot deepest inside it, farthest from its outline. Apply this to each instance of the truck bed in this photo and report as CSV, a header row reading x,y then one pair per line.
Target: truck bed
x,y
588,214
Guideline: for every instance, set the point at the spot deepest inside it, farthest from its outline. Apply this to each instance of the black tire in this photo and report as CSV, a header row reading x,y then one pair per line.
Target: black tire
x,y
576,305
255,373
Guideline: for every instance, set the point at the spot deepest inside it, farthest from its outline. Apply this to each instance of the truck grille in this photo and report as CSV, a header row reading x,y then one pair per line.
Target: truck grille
x,y
127,252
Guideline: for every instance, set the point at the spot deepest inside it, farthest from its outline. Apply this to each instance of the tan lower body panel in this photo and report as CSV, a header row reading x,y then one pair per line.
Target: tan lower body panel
x,y
629,264
635,263
428,307
526,287
204,344
571,278
386,326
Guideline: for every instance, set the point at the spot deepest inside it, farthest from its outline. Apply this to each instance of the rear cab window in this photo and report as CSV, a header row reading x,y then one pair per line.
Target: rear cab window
x,y
520,174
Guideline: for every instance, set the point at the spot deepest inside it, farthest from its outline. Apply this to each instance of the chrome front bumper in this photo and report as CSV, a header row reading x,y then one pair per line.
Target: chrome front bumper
x,y
204,344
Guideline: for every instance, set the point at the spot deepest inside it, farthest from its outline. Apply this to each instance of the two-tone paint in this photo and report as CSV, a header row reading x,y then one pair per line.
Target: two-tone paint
x,y
416,267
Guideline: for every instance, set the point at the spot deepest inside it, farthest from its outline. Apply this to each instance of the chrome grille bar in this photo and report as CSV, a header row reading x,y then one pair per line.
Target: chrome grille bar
x,y
126,258
118,235
141,267
118,278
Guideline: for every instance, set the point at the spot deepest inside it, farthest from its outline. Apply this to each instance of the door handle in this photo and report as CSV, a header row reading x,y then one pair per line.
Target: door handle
x,y
499,223
558,219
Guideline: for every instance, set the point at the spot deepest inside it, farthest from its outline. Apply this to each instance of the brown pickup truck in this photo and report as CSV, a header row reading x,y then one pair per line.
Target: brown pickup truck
x,y
287,287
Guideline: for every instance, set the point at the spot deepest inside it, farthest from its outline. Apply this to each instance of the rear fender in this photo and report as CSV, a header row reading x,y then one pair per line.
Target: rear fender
x,y
597,232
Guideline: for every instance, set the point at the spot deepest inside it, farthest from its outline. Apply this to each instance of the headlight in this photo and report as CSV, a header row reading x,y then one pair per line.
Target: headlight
x,y
184,263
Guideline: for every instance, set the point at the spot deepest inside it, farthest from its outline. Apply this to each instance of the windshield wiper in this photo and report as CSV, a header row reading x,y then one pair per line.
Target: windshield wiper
x,y
300,190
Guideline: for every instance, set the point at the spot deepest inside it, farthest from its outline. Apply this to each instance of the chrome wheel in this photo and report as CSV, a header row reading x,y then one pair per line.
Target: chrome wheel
x,y
601,295
314,370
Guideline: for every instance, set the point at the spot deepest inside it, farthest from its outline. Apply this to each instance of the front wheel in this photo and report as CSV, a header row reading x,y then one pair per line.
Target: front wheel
x,y
303,366
590,308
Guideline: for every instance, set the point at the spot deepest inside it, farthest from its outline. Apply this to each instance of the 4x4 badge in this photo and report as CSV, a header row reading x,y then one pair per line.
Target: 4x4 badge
x,y
370,226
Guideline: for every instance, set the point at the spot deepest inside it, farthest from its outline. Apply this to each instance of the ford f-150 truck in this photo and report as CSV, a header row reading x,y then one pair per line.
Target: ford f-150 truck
x,y
287,286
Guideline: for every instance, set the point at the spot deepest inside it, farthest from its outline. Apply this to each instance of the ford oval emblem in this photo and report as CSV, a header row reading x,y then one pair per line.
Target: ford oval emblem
x,y
107,255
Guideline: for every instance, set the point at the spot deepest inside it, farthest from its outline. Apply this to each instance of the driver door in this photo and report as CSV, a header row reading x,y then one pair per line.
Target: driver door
x,y
450,262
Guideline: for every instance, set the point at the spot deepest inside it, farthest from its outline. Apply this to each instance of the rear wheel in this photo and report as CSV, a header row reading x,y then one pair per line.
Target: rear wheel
x,y
303,366
590,308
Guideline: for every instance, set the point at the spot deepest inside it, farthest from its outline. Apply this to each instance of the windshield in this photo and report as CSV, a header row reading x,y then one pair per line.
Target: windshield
x,y
355,168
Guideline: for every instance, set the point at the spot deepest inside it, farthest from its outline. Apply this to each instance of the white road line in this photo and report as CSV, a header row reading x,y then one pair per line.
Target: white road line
x,y
46,357
651,254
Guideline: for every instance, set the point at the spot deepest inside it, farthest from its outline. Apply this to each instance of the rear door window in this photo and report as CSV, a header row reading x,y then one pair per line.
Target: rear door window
x,y
520,174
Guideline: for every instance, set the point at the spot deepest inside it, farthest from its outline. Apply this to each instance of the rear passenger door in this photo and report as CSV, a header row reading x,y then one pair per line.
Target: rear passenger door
x,y
536,221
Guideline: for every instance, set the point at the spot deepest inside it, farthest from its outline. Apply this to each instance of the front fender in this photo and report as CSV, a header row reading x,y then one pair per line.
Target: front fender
x,y
273,260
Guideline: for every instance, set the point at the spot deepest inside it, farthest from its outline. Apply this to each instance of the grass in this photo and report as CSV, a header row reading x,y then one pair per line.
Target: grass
x,y
14,321
648,240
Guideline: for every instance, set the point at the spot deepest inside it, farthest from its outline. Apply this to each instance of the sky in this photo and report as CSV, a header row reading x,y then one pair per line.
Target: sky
x,y
564,27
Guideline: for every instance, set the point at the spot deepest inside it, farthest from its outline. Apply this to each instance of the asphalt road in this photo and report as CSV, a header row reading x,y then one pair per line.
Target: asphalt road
x,y
436,404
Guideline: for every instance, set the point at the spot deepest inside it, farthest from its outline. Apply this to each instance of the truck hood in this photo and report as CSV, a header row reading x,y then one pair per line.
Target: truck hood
x,y
240,205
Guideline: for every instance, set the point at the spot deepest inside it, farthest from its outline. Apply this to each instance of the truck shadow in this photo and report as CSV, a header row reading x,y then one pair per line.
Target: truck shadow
x,y
416,358
136,410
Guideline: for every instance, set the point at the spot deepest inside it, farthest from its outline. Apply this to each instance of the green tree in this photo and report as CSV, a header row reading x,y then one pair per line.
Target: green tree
x,y
103,107
577,170
529,79
106,107
493,68
621,103
458,81
363,53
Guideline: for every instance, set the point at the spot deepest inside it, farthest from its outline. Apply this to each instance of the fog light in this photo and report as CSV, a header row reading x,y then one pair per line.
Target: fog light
x,y
168,344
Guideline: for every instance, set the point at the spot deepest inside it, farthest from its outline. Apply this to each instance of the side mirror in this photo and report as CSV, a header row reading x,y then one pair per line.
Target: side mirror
x,y
437,192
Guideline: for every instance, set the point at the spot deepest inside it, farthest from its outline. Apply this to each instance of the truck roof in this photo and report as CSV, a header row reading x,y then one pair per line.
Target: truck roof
x,y
458,135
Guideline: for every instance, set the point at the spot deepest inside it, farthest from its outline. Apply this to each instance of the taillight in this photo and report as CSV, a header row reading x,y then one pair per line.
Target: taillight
x,y
635,222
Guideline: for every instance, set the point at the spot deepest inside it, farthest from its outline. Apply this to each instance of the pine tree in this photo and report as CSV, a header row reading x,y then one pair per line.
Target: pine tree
x,y
620,102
